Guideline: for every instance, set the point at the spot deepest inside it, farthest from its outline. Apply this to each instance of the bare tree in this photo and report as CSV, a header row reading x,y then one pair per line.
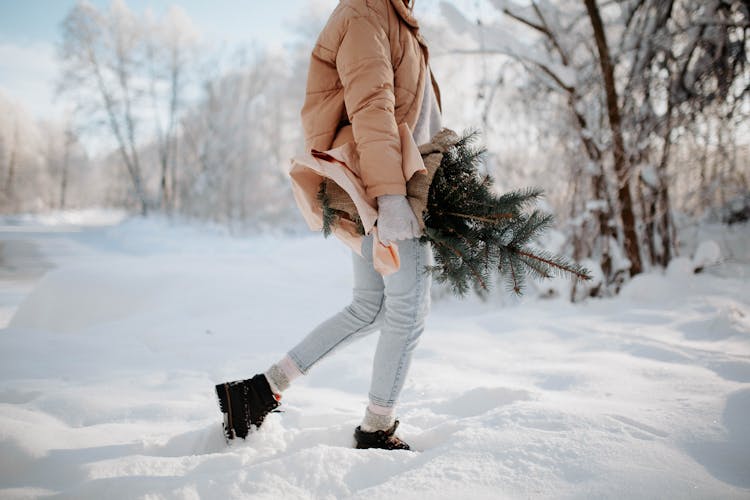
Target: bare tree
x,y
101,55
62,154
170,51
12,161
622,169
136,69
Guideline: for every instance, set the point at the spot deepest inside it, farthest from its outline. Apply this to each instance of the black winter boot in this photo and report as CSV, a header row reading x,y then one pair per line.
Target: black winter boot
x,y
245,403
385,440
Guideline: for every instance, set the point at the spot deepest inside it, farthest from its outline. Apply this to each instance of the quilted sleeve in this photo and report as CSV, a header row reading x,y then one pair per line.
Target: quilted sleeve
x,y
364,65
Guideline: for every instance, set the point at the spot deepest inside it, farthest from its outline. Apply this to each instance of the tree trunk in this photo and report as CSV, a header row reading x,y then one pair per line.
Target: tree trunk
x,y
604,214
646,200
130,160
64,173
12,162
163,187
173,177
665,223
627,214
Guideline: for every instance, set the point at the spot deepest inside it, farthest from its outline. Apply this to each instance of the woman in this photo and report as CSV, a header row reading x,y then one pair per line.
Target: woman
x,y
368,74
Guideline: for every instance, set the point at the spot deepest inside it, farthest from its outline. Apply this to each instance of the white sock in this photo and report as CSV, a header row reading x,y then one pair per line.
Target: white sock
x,y
281,374
378,418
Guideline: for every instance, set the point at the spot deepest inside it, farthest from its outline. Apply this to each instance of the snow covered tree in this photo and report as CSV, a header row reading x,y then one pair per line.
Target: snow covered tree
x,y
683,60
232,166
126,72
631,77
64,158
563,61
170,51
100,53
237,138
40,161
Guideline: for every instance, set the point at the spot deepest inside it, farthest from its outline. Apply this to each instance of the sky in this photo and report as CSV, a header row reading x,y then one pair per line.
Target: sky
x,y
30,29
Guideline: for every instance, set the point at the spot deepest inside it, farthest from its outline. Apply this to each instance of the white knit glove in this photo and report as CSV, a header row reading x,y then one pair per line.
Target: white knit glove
x,y
396,219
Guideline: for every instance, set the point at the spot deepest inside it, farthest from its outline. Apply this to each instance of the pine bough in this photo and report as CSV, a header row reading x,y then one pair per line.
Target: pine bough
x,y
475,233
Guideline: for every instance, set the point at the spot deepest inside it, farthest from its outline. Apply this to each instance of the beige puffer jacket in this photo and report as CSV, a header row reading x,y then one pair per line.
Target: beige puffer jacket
x,y
366,77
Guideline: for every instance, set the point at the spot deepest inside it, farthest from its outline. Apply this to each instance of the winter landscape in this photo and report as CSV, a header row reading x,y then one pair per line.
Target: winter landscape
x,y
109,360
151,247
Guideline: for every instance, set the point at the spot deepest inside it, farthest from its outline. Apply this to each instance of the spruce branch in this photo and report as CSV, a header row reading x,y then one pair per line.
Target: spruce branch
x,y
559,263
329,215
491,230
475,232
492,218
514,277
536,267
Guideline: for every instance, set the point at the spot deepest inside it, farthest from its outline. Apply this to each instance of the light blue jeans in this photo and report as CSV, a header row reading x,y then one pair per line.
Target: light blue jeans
x,y
396,304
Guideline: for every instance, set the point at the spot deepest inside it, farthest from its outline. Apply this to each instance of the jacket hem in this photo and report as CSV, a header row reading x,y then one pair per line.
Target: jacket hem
x,y
381,189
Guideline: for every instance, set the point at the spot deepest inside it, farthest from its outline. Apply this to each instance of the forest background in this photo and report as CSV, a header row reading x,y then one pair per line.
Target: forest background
x,y
631,115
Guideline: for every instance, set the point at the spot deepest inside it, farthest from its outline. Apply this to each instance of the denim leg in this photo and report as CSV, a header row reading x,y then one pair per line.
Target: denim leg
x,y
362,316
407,302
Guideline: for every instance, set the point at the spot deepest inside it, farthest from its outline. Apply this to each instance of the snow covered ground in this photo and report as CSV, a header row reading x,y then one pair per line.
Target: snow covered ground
x,y
117,331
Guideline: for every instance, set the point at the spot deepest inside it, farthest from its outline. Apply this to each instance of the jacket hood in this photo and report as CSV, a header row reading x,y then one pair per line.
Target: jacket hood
x,y
405,13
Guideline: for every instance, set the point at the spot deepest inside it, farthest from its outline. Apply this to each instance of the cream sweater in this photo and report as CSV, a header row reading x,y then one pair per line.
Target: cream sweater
x,y
429,121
